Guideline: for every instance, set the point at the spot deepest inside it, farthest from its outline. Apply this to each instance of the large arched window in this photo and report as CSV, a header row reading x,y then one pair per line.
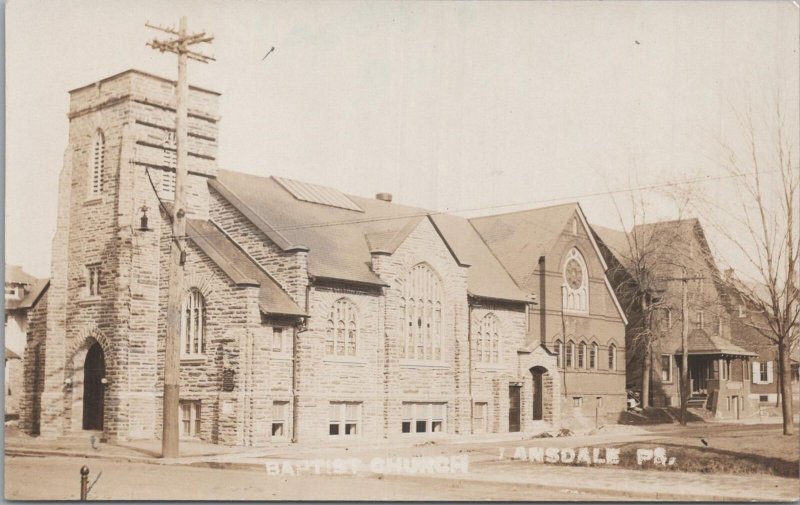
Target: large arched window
x,y
193,324
559,348
489,339
96,164
575,290
612,357
421,312
342,332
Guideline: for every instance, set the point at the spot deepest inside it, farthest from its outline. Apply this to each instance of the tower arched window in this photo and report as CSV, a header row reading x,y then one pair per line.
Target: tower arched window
x,y
97,164
489,339
193,324
341,336
575,290
421,313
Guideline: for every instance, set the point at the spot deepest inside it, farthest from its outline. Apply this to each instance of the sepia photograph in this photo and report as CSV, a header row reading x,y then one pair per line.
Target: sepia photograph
x,y
402,251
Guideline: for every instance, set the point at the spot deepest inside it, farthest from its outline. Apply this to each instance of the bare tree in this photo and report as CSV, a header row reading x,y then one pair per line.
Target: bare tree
x,y
643,255
754,212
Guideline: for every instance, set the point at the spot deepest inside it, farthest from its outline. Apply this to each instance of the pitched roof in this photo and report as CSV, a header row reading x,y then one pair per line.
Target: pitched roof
x,y
34,288
241,269
11,354
519,239
616,241
340,241
701,342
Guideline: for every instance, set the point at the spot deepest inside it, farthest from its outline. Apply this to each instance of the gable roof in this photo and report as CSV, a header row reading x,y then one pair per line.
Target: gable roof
x,y
701,342
34,288
519,239
240,267
340,241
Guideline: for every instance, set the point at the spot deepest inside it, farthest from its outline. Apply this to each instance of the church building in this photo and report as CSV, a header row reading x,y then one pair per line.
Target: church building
x,y
308,313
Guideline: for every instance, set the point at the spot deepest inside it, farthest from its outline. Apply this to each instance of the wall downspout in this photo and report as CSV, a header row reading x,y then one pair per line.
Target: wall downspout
x,y
542,301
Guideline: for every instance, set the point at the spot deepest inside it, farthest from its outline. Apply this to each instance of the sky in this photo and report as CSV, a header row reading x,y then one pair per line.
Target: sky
x,y
473,107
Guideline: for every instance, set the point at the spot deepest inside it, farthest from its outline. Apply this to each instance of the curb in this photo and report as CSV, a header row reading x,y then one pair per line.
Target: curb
x,y
253,467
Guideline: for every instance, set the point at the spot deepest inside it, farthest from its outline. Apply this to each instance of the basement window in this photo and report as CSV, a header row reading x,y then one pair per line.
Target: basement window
x,y
345,418
763,398
423,417
190,419
280,412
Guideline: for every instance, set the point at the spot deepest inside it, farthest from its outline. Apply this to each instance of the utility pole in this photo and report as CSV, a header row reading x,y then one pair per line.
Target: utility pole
x,y
172,363
684,386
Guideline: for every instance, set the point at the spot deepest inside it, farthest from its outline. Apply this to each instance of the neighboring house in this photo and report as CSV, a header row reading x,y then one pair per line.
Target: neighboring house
x,y
23,292
719,369
552,252
308,314
749,329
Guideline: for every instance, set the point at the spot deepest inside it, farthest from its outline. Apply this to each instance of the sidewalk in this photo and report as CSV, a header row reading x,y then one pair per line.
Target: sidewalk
x,y
485,464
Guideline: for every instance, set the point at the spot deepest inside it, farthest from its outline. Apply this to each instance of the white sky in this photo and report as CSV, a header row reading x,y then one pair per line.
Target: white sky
x,y
448,106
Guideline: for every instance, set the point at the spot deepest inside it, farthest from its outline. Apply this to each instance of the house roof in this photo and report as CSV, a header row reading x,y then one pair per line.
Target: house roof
x,y
701,342
34,288
340,241
240,267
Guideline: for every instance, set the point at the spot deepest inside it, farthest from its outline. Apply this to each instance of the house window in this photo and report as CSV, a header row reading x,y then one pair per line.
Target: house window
x,y
423,417
342,332
669,318
612,357
569,353
726,369
281,340
190,419
345,418
421,309
479,411
577,401
745,370
559,348
581,355
763,372
666,368
718,326
489,340
193,329
701,319
574,291
96,164
280,416
593,356
93,280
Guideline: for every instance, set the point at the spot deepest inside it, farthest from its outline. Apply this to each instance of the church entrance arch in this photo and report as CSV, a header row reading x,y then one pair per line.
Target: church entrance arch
x,y
94,371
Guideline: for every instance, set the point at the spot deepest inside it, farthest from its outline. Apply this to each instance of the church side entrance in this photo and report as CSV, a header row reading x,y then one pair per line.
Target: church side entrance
x,y
94,371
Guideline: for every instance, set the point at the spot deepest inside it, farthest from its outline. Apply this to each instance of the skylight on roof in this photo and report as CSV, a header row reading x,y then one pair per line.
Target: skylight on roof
x,y
318,194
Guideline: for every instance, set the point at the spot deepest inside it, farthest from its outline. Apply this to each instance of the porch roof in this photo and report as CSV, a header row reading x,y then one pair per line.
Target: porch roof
x,y
701,343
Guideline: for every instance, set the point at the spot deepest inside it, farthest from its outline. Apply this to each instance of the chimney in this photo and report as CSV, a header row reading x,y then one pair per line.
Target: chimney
x,y
384,197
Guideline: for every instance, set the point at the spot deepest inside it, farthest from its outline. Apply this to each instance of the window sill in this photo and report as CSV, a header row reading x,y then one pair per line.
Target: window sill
x,y
93,200
423,363
282,356
189,360
490,366
345,360
569,312
88,300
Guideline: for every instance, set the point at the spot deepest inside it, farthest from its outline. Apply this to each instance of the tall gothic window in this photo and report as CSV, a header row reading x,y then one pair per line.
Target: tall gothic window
x,y
593,356
489,340
559,348
341,336
582,355
570,352
421,309
612,357
193,327
575,290
96,164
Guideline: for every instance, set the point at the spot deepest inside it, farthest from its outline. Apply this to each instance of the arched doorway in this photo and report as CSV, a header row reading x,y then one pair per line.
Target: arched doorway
x,y
537,373
94,370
